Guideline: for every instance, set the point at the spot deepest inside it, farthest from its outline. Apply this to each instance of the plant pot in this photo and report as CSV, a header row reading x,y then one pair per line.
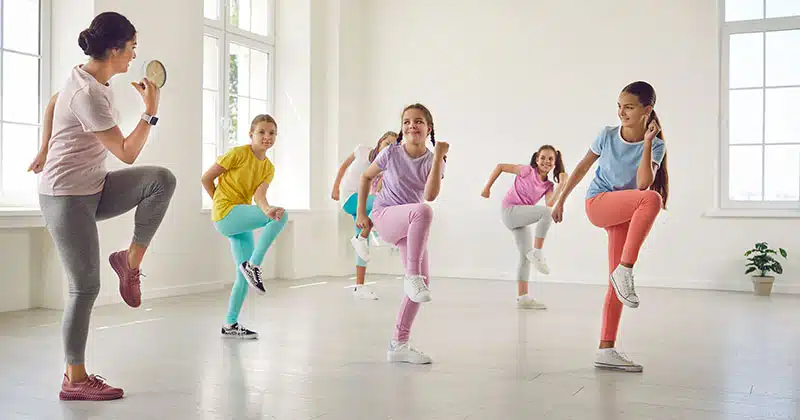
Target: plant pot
x,y
762,285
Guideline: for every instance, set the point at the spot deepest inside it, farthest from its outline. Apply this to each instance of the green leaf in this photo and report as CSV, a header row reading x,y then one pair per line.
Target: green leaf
x,y
771,251
778,268
750,270
748,252
783,252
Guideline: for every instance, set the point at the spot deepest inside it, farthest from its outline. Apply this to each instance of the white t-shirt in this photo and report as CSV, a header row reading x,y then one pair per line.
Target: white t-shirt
x,y
352,178
75,162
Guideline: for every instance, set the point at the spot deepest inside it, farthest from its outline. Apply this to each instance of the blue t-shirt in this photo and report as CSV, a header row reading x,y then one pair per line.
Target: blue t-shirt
x,y
619,161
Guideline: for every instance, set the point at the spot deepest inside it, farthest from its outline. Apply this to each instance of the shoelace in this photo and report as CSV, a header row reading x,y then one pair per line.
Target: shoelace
x,y
623,356
257,274
240,329
418,282
96,381
135,279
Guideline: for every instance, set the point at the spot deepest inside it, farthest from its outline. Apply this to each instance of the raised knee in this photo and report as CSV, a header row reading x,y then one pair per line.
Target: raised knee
x,y
425,212
165,178
652,197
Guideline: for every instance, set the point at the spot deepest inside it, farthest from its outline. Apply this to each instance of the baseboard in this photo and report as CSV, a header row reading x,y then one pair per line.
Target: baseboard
x,y
641,282
162,292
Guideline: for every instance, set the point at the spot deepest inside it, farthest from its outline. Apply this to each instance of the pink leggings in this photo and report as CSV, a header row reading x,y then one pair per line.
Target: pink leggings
x,y
627,216
406,226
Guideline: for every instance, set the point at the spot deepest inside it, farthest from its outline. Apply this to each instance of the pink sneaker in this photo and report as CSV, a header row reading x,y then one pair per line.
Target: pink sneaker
x,y
94,388
129,283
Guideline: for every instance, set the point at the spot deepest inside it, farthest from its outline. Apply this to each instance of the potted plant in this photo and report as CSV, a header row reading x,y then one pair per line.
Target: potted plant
x,y
761,260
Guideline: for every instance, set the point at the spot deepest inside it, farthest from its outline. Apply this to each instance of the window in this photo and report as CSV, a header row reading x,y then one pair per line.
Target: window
x,y
23,40
760,83
238,73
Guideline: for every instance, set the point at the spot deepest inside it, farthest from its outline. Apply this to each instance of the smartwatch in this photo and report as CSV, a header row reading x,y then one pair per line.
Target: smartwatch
x,y
150,119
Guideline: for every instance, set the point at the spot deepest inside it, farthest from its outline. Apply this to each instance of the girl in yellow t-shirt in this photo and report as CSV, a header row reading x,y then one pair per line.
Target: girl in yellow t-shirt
x,y
244,175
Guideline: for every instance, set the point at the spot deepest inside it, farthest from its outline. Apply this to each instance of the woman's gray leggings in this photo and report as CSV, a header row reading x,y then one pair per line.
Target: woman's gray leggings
x,y
72,222
518,219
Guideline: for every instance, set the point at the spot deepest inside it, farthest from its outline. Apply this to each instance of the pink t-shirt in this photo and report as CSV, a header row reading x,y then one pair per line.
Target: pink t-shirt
x,y
528,188
76,159
404,177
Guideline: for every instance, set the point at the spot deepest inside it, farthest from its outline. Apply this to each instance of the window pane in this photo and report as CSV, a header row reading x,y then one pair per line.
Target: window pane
x,y
209,155
20,144
745,173
783,57
782,173
210,118
782,122
21,26
240,70
210,62
743,10
260,74
211,9
260,17
20,88
746,60
243,130
782,8
746,114
240,14
234,115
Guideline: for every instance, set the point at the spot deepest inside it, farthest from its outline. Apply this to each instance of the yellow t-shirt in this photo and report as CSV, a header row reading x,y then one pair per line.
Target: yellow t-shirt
x,y
237,185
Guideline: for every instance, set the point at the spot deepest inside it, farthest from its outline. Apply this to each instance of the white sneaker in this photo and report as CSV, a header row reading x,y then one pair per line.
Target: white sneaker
x,y
361,245
527,302
404,353
614,360
622,282
363,292
536,257
416,289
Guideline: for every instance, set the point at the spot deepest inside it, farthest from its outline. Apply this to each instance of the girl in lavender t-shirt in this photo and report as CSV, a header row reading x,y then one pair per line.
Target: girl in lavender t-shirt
x,y
520,210
411,176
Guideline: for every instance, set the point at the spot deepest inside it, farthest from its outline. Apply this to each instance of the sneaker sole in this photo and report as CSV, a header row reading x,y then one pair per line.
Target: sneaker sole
x,y
397,359
246,276
240,337
532,308
624,301
618,367
121,293
423,300
69,396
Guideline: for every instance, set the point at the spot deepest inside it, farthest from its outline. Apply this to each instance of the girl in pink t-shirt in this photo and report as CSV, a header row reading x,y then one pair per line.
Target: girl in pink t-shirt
x,y
411,176
520,210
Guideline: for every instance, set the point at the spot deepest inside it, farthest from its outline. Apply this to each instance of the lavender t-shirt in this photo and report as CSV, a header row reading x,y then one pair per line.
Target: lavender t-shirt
x,y
75,162
404,177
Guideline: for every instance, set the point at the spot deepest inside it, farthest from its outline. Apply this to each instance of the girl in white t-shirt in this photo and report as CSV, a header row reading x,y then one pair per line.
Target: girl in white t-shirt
x,y
346,186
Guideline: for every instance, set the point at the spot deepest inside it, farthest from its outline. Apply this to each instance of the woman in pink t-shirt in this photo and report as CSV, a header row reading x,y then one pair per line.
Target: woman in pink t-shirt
x,y
76,191
411,176
520,210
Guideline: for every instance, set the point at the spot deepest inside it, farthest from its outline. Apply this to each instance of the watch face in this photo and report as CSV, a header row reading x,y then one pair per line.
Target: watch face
x,y
156,73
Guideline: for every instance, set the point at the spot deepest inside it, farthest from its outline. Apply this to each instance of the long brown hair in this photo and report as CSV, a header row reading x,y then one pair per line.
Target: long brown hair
x,y
559,166
428,118
647,96
374,152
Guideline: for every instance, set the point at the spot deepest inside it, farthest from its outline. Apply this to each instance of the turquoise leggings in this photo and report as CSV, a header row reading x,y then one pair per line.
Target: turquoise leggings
x,y
350,207
238,225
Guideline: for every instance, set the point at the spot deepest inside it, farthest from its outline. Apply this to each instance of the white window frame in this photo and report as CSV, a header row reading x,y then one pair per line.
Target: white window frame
x,y
737,207
226,33
45,8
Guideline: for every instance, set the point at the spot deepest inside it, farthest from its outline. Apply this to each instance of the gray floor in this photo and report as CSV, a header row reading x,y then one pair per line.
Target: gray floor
x,y
706,355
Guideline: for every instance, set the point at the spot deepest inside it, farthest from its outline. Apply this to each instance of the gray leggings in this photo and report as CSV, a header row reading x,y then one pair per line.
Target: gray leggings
x,y
72,222
518,219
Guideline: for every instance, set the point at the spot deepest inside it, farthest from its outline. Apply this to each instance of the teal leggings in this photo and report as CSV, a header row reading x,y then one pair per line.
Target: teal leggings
x,y
238,225
350,207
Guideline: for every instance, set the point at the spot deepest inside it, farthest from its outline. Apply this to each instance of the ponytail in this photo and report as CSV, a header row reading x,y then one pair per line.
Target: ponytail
x,y
661,180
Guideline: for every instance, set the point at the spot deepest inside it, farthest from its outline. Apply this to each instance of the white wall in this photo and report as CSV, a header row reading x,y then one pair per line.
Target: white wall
x,y
502,80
